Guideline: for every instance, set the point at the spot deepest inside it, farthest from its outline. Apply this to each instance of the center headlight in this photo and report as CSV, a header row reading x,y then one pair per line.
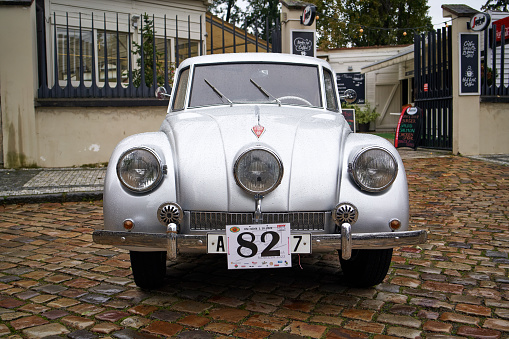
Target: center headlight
x,y
258,171
139,169
374,169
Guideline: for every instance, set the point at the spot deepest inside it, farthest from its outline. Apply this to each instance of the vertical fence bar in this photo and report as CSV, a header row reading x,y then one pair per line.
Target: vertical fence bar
x,y
143,85
106,86
211,35
95,89
201,35
43,91
177,49
56,89
68,85
245,36
234,38
118,87
189,36
501,87
267,33
256,36
166,76
130,86
493,60
81,87
222,27
154,59
484,88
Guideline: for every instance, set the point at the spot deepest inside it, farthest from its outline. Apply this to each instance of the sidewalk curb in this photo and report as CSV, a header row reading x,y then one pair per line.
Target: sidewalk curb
x,y
51,198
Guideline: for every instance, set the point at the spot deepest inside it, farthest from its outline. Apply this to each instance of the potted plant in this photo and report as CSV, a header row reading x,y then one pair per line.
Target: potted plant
x,y
364,116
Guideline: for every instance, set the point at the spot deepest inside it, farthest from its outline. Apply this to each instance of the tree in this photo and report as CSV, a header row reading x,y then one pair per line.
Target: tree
x,y
147,48
345,23
495,5
227,9
252,18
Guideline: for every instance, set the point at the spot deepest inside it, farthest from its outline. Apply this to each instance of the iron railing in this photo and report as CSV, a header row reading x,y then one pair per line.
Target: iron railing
x,y
494,75
87,79
433,87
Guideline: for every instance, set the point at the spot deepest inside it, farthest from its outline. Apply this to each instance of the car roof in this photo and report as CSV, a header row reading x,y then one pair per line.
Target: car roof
x,y
253,57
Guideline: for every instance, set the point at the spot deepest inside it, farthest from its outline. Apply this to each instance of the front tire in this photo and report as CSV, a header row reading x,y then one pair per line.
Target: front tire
x,y
149,268
366,268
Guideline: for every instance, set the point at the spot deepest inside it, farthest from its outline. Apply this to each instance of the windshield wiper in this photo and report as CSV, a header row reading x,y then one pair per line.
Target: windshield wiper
x,y
221,95
267,94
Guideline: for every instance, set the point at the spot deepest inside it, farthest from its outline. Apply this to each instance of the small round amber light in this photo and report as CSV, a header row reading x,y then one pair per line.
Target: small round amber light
x,y
128,224
394,224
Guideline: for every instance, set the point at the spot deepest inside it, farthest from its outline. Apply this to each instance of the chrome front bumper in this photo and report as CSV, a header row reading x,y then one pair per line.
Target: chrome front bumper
x,y
185,243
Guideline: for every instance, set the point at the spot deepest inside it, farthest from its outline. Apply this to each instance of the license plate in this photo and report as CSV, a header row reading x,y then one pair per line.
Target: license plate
x,y
258,246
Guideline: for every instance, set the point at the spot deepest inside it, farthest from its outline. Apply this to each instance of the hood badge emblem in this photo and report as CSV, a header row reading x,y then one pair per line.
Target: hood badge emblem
x,y
258,130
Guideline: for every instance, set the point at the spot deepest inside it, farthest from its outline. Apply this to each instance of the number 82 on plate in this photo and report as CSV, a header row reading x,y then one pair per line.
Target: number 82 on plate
x,y
259,245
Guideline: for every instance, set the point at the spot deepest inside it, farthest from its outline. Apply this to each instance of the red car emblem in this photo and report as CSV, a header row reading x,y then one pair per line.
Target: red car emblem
x,y
258,130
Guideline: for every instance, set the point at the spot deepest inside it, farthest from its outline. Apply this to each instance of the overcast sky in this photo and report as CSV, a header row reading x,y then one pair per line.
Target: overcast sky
x,y
435,11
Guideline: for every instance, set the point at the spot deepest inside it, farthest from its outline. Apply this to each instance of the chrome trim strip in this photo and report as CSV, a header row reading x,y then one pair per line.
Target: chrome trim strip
x,y
320,242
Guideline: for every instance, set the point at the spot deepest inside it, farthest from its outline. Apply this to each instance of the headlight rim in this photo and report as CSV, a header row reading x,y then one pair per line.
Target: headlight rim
x,y
160,169
352,166
262,148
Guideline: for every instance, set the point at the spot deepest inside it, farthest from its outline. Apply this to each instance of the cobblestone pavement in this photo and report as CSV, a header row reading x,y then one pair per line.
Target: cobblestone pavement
x,y
55,282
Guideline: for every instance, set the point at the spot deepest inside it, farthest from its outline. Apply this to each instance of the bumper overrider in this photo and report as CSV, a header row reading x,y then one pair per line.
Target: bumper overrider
x,y
188,243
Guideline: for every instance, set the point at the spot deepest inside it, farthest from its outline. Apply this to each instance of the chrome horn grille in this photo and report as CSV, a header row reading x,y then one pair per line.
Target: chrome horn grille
x,y
170,213
345,213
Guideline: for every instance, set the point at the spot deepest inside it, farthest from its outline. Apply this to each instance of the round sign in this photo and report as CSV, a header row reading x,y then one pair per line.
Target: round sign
x,y
480,22
308,15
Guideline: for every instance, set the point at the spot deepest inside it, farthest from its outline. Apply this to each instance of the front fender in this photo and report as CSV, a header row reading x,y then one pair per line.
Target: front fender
x,y
375,209
121,204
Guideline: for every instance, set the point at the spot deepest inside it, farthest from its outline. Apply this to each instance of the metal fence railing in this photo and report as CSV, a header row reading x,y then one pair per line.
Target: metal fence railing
x,y
92,60
494,73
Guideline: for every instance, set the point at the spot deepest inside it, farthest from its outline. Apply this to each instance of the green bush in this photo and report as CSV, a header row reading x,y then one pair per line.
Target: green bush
x,y
364,115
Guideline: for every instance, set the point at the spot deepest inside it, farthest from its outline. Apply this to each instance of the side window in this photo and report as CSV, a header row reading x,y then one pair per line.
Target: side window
x,y
180,93
330,91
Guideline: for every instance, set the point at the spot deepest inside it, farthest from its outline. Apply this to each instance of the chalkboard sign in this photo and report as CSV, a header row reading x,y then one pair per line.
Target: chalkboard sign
x,y
355,81
469,64
303,43
349,114
409,128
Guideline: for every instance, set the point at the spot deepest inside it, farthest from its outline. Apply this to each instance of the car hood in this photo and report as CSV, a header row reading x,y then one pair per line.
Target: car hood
x,y
207,141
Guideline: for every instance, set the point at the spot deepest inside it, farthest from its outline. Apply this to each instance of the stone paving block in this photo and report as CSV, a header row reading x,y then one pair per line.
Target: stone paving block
x,y
54,329
457,281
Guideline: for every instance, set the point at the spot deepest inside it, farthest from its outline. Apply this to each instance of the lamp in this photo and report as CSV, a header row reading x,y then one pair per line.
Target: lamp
x,y
135,19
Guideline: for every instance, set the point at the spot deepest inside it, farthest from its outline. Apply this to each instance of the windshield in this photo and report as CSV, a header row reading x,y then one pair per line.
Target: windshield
x,y
255,83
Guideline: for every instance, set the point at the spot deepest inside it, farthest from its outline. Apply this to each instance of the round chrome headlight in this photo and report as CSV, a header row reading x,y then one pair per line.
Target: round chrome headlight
x,y
374,169
258,171
139,169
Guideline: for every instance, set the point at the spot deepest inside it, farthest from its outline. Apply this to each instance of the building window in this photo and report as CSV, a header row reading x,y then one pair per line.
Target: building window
x,y
74,54
112,51
86,51
183,48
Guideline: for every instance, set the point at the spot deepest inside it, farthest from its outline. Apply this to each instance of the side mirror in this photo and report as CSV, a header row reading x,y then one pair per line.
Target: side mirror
x,y
161,93
349,96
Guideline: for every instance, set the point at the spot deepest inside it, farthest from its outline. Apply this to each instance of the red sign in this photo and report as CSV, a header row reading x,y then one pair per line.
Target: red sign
x,y
500,23
425,87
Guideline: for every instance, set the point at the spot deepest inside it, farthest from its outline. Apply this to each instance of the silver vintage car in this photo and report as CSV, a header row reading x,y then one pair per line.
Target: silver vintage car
x,y
255,162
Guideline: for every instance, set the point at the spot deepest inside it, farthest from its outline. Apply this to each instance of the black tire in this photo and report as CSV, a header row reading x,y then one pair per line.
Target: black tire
x,y
149,268
366,267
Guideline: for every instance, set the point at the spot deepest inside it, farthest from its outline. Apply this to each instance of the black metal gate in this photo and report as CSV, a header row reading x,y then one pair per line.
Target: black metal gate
x,y
433,87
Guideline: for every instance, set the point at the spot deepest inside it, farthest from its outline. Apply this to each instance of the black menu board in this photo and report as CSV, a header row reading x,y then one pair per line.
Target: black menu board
x,y
409,128
355,81
469,64
303,43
